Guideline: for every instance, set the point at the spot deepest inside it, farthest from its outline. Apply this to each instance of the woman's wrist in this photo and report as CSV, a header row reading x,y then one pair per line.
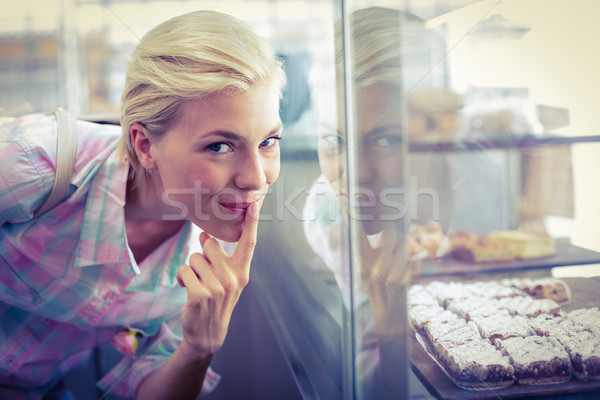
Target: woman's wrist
x,y
194,354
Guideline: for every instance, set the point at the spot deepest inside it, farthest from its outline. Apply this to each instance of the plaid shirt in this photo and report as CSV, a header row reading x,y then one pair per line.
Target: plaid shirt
x,y
68,280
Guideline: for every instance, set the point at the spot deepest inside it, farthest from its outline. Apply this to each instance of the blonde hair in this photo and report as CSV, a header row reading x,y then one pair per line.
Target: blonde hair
x,y
185,58
389,47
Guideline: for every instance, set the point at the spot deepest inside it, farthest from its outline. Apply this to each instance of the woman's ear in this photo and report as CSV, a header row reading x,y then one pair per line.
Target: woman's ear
x,y
142,146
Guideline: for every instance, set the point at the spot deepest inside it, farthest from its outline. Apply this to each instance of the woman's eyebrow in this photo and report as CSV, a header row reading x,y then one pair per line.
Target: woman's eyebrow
x,y
329,128
230,135
277,129
383,129
222,133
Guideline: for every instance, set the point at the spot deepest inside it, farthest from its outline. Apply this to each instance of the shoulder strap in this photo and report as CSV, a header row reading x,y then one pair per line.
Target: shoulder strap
x,y
66,145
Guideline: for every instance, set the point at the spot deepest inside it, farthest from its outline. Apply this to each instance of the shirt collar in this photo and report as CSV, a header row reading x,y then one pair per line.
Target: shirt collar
x,y
103,238
186,243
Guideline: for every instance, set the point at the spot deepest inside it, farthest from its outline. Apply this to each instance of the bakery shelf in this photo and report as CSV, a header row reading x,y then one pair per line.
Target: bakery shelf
x,y
567,254
304,148
499,141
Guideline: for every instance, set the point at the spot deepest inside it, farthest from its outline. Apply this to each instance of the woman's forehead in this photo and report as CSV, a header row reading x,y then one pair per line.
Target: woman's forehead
x,y
255,112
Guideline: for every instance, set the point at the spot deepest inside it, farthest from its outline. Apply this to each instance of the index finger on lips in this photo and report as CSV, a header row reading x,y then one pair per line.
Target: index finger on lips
x,y
245,247
388,240
363,240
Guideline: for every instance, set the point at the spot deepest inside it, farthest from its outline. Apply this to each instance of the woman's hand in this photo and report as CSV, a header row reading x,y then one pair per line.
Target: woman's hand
x,y
384,275
214,282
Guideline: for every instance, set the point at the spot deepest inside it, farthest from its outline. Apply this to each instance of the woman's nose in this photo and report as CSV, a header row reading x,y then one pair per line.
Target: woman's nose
x,y
364,167
251,174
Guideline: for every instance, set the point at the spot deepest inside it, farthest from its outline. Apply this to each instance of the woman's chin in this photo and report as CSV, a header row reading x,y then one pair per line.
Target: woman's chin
x,y
224,232
375,226
372,227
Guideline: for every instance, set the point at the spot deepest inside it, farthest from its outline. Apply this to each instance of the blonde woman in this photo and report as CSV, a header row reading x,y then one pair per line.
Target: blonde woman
x,y
133,255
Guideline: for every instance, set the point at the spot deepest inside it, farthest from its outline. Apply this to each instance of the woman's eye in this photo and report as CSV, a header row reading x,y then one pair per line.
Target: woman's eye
x,y
270,141
219,147
333,140
386,141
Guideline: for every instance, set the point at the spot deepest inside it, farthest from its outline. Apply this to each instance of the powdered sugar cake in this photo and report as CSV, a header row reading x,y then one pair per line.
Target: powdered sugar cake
x,y
421,314
541,288
536,359
493,290
444,292
584,351
529,307
419,295
490,335
478,364
471,307
583,344
503,327
586,317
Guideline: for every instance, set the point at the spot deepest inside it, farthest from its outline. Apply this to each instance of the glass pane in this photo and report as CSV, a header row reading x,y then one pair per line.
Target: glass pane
x,y
301,222
481,180
389,59
498,149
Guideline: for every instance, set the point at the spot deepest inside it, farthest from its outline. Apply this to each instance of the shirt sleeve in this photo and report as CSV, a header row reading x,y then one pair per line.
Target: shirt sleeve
x,y
125,377
28,148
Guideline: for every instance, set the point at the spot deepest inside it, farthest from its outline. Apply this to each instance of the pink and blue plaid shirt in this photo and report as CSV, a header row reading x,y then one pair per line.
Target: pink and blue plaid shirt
x,y
68,280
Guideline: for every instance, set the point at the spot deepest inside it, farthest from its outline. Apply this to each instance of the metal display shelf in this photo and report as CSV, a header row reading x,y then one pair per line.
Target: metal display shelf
x,y
498,141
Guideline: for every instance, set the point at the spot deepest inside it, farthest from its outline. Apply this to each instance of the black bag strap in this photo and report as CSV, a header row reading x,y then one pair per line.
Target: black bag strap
x,y
66,146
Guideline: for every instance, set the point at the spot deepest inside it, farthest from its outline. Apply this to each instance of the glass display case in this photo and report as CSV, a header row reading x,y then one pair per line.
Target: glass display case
x,y
456,160
435,154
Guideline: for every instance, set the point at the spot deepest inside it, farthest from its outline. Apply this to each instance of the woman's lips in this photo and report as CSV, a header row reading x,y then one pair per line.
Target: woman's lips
x,y
238,209
362,199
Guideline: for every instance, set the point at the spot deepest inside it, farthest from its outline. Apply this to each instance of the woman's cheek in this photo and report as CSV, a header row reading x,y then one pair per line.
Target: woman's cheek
x,y
390,170
273,171
332,167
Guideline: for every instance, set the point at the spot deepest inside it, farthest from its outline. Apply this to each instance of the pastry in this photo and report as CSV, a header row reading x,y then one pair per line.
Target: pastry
x,y
503,326
588,318
528,307
442,326
541,288
478,364
536,359
493,290
584,351
444,292
461,334
500,246
421,314
471,307
418,295
429,237
485,337
525,245
484,249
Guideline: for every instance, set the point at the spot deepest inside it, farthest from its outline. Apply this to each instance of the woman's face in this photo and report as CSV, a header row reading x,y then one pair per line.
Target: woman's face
x,y
220,157
378,187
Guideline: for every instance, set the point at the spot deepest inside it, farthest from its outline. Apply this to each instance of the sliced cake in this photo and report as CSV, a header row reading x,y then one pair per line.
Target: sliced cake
x,y
536,359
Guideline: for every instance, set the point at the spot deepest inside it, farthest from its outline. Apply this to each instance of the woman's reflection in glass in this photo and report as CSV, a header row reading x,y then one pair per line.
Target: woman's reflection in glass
x,y
391,50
